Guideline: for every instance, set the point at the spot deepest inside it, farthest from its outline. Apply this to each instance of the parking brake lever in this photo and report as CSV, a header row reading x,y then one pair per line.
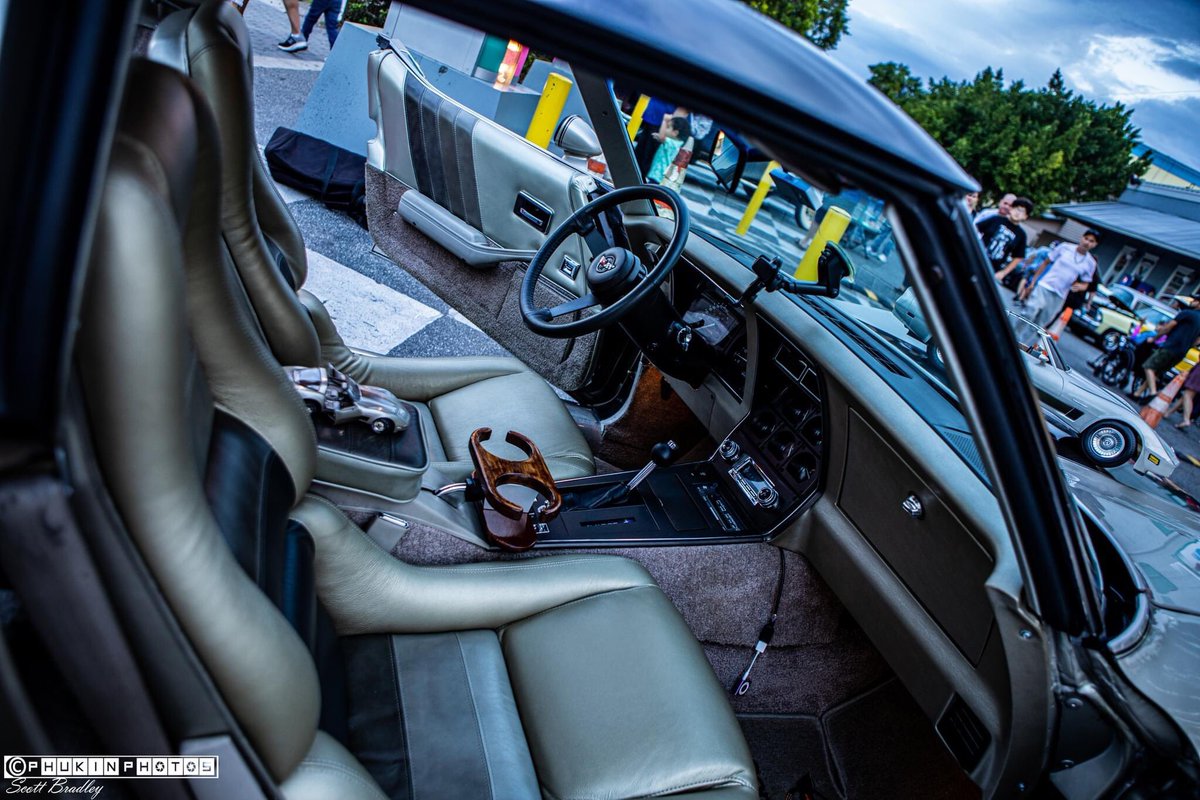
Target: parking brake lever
x,y
661,455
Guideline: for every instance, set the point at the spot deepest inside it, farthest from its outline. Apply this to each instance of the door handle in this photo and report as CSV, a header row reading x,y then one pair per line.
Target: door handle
x,y
533,211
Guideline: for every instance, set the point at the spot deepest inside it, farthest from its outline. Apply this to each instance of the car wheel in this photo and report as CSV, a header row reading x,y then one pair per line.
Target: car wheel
x,y
1111,340
1108,443
314,408
382,426
1114,372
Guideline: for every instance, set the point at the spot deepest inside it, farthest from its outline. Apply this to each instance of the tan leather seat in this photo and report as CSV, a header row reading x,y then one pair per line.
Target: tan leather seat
x,y
212,45
566,677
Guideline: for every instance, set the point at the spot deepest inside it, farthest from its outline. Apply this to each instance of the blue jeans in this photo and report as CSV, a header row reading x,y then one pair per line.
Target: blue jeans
x,y
330,9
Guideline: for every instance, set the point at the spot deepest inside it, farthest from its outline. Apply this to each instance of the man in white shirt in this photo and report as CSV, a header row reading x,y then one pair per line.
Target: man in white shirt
x,y
1067,269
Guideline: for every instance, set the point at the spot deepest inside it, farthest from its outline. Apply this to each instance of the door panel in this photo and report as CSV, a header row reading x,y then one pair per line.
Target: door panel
x,y
487,198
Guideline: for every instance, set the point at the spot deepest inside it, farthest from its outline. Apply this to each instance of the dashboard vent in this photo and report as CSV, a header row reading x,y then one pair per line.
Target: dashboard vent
x,y
963,733
860,340
964,444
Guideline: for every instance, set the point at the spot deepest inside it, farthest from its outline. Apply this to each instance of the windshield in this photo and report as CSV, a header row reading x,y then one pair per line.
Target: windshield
x,y
749,206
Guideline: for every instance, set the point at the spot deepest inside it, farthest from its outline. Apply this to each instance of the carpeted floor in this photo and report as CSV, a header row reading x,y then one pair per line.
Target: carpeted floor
x,y
822,701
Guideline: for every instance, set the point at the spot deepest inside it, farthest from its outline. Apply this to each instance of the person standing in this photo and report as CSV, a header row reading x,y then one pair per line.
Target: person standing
x,y
672,133
331,10
1003,238
1068,269
1191,385
296,41
1181,335
647,138
1002,209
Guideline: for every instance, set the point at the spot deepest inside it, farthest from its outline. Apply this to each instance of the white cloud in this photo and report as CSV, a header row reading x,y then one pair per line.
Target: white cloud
x,y
1131,68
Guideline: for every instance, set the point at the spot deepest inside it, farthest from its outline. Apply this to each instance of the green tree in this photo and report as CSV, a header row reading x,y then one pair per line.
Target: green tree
x,y
822,22
1046,143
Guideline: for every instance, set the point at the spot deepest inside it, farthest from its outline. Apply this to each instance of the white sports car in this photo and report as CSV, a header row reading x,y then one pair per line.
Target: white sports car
x,y
1109,428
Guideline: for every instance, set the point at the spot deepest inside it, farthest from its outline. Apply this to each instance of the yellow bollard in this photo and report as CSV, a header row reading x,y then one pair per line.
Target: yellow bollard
x,y
549,109
832,229
756,200
635,121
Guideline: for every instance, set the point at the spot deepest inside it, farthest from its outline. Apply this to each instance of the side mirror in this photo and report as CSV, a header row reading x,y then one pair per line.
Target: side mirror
x,y
577,138
728,161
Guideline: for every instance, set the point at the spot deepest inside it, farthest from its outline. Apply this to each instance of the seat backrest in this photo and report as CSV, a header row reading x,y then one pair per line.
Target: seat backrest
x,y
198,435
211,44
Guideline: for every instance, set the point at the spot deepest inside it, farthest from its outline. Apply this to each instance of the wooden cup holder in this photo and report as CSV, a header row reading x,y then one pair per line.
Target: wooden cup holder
x,y
509,525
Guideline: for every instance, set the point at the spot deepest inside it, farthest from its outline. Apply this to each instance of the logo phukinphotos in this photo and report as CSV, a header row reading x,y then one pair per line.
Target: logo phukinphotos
x,y
111,767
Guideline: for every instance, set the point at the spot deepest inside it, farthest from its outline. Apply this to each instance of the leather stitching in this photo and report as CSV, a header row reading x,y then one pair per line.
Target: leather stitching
x,y
714,782
576,601
482,746
398,685
514,566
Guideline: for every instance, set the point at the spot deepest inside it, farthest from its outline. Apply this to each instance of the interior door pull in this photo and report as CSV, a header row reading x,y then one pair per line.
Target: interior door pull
x,y
533,211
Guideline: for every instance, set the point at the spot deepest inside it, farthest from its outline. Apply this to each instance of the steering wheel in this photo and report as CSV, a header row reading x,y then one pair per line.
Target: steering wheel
x,y
616,278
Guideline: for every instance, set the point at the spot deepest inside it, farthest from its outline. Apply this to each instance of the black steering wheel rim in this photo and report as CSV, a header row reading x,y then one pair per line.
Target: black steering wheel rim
x,y
538,319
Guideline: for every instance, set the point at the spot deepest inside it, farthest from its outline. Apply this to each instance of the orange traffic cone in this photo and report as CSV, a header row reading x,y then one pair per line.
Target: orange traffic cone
x,y
1156,408
1060,324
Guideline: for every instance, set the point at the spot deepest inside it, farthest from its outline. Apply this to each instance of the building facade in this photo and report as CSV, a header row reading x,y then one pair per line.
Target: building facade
x,y
1150,237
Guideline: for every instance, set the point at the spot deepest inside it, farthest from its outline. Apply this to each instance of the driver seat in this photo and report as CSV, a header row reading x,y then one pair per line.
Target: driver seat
x,y
455,396
566,676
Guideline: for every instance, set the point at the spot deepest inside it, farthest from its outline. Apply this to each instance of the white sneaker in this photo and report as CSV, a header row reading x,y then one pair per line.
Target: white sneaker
x,y
294,43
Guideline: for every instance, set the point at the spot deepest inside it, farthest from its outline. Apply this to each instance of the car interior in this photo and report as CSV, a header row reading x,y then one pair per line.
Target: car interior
x,y
769,569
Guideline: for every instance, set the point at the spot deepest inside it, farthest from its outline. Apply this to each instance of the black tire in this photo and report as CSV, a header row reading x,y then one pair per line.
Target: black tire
x,y
1111,340
1113,370
314,408
382,426
1108,443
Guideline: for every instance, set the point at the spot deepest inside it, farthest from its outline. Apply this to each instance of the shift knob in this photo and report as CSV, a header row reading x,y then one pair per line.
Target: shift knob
x,y
663,453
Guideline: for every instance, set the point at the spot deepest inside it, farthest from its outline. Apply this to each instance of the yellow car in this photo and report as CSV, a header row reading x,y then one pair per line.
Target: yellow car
x,y
1112,312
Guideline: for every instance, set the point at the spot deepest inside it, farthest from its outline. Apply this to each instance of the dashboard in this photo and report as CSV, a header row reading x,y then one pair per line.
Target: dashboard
x,y
772,461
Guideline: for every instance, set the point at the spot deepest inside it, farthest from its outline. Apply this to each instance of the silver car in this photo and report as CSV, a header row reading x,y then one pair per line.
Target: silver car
x,y
335,394
1109,428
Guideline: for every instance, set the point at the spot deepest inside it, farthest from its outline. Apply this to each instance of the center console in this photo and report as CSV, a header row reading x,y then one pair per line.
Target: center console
x,y
354,462
760,477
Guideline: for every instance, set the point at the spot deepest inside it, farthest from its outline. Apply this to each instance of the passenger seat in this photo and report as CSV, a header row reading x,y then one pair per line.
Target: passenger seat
x,y
565,677
456,395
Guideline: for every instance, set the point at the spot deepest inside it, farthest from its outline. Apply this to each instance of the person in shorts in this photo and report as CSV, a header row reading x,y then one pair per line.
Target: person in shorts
x,y
1181,335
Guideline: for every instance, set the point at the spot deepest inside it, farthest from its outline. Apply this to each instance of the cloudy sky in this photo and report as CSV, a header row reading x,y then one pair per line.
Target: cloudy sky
x,y
1143,53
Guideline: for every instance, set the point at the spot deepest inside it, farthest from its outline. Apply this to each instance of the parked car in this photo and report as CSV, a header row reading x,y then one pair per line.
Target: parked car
x,y
331,393
1114,310
1109,428
871,577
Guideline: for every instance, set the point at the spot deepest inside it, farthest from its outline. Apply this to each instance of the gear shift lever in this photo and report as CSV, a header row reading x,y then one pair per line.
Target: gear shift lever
x,y
661,455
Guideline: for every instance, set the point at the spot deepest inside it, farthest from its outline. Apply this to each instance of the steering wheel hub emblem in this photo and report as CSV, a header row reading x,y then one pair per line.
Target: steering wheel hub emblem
x,y
605,263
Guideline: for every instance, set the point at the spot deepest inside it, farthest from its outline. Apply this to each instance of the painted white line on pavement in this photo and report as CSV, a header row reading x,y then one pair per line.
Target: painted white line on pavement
x,y
369,315
287,62
457,317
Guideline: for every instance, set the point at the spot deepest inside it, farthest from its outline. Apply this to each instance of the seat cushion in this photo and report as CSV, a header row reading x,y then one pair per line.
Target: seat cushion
x,y
520,401
618,701
604,697
433,715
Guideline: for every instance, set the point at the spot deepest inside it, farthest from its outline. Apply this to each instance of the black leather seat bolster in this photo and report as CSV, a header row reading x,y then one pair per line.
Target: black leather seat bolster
x,y
433,715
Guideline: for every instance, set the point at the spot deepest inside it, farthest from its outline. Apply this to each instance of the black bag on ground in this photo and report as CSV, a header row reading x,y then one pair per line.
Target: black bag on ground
x,y
325,171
